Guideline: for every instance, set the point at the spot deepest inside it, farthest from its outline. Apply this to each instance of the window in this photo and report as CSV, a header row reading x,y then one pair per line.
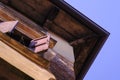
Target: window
x,y
36,45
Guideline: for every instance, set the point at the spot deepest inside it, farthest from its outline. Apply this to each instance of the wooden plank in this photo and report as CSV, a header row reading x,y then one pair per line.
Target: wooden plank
x,y
55,28
14,57
70,25
61,70
27,10
82,52
12,72
39,6
36,10
60,66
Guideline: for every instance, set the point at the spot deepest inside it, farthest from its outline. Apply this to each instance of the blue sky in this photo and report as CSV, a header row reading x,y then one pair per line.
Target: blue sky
x,y
105,13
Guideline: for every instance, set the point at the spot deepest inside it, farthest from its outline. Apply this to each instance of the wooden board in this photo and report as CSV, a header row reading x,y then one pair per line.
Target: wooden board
x,y
22,63
36,10
9,72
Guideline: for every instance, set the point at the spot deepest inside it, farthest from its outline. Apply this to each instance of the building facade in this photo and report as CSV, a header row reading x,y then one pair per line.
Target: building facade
x,y
74,41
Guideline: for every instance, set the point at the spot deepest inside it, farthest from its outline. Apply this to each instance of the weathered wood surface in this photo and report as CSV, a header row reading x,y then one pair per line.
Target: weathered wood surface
x,y
9,72
61,69
23,62
60,66
37,10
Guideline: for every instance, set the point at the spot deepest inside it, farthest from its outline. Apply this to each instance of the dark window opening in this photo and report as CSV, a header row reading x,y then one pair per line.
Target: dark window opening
x,y
19,37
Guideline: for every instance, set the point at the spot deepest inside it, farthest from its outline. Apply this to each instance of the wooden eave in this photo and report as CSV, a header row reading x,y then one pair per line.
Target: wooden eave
x,y
100,33
80,17
86,37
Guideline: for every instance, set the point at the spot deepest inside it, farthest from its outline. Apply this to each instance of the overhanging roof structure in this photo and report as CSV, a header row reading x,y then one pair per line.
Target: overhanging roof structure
x,y
85,36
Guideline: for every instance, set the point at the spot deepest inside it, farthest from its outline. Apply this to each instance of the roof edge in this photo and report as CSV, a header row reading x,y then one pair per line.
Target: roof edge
x,y
80,17
91,57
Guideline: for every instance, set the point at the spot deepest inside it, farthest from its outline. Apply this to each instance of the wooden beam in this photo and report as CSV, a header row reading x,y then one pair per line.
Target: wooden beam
x,y
82,39
18,59
12,72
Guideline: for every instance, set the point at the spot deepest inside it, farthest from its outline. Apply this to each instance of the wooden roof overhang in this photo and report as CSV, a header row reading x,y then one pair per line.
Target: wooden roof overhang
x,y
86,37
87,47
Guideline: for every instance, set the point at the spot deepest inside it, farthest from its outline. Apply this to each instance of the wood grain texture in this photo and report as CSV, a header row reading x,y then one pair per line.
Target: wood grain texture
x,y
9,72
36,10
60,66
15,58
